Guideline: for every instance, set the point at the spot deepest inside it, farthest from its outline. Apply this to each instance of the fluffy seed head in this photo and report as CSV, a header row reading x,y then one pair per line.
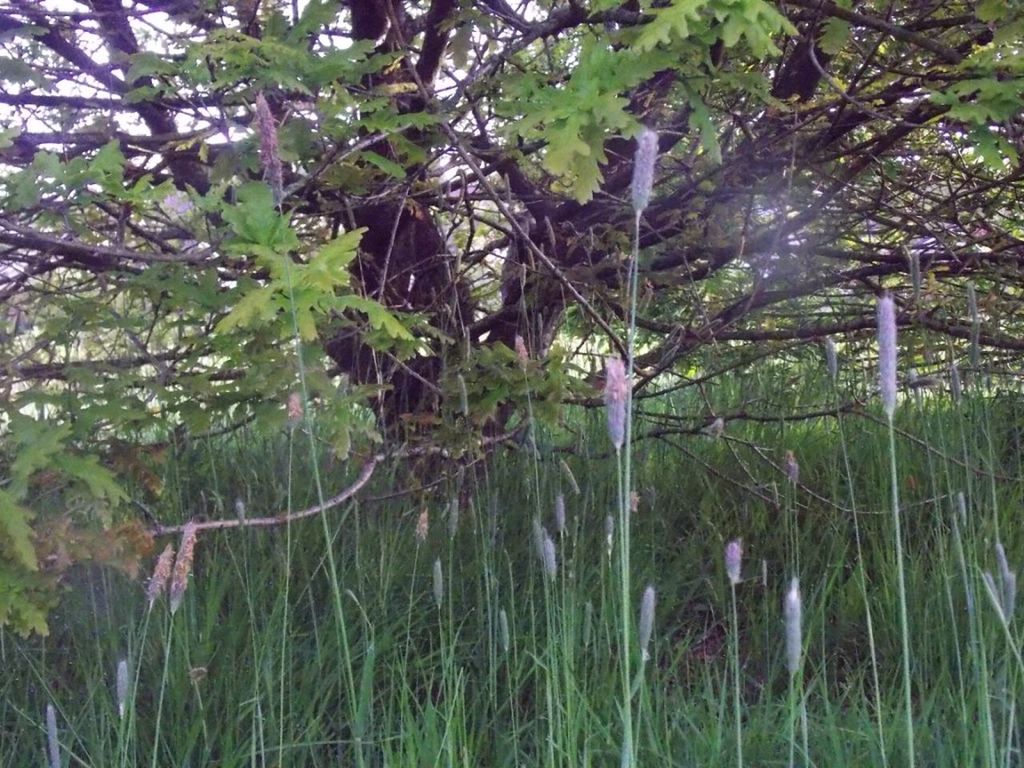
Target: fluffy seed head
x,y
538,538
643,168
52,739
161,575
503,630
956,387
422,526
122,688
183,565
560,513
792,468
646,622
616,393
294,408
550,558
438,582
609,533
240,509
521,351
887,353
270,152
791,613
734,560
453,518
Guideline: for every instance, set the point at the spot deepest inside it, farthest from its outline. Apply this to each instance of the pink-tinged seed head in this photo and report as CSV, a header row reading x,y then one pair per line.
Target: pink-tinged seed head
x,y
161,575
643,168
295,409
792,468
616,394
183,565
887,353
521,351
270,153
422,526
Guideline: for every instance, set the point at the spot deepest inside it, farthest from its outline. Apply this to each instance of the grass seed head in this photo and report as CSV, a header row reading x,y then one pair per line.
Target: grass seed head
x,y
792,610
438,582
453,518
643,168
270,152
161,575
183,565
792,468
52,739
550,557
560,513
521,351
616,393
295,409
503,633
422,526
646,622
734,560
122,688
887,353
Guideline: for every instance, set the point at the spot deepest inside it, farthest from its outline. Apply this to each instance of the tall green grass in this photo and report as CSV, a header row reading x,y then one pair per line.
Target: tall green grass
x,y
324,643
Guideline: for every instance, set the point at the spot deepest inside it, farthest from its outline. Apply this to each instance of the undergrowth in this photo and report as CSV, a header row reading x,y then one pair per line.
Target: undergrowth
x,y
491,658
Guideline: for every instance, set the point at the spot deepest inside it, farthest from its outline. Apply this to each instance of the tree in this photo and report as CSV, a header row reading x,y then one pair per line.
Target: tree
x,y
407,187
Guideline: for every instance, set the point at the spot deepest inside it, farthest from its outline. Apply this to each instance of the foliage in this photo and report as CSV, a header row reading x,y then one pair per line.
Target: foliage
x,y
452,176
256,641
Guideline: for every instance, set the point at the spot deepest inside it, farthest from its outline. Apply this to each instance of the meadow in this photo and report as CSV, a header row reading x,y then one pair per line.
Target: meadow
x,y
496,620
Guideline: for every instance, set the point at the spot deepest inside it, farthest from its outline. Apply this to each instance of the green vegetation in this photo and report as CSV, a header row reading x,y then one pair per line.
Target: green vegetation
x,y
275,658
305,307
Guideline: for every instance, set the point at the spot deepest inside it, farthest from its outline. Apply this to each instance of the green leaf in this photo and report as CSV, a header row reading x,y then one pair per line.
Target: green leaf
x,y
255,306
329,269
389,167
671,22
99,480
24,601
255,219
16,538
147,63
37,443
834,35
17,71
378,316
305,323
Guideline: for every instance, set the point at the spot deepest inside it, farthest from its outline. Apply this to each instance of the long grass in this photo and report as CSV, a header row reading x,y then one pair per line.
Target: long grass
x,y
325,644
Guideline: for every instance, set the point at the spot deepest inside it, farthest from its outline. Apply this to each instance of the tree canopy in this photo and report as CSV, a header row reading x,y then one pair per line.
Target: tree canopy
x,y
203,203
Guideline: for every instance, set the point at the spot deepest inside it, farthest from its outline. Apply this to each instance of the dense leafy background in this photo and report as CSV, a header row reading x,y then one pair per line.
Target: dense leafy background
x,y
455,175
